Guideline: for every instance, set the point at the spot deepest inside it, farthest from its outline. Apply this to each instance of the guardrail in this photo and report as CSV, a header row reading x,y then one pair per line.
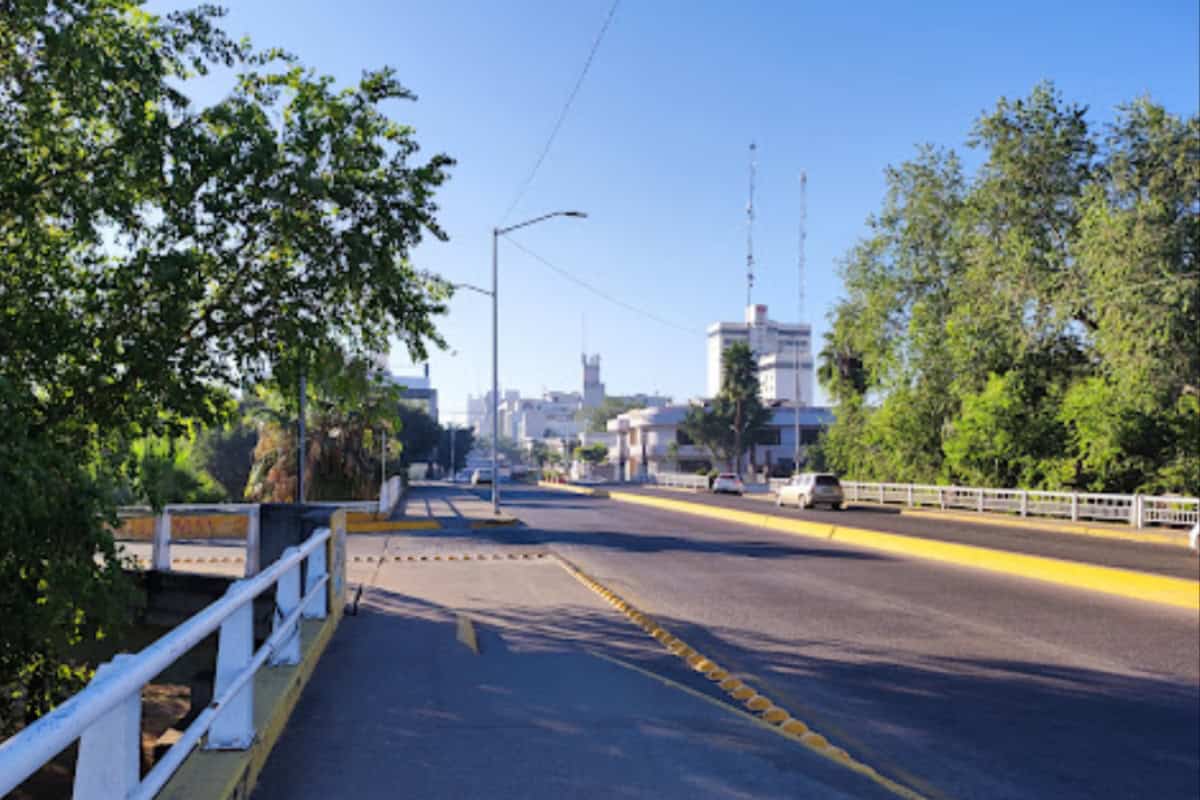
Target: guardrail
x,y
105,716
679,479
1136,510
160,548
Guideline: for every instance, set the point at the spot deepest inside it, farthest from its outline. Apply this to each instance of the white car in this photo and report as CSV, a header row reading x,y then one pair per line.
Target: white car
x,y
810,489
727,483
481,475
463,476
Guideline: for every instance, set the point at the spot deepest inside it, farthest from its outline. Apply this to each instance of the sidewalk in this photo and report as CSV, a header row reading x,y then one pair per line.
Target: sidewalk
x,y
555,703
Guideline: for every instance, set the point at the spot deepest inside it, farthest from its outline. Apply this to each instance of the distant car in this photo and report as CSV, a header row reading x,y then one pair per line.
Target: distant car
x,y
810,489
463,476
727,483
482,475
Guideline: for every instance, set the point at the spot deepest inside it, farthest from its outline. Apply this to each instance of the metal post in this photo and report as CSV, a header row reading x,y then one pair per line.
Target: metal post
x,y
450,427
1074,506
796,371
316,604
160,555
253,541
287,597
1024,503
300,437
233,727
495,372
110,748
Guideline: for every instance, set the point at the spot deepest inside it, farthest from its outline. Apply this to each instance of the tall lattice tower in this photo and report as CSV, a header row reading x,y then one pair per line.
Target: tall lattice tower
x,y
803,236
750,229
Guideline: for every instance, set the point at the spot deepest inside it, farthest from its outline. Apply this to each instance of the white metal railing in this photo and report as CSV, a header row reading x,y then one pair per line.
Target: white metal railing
x,y
679,480
1136,510
160,548
105,716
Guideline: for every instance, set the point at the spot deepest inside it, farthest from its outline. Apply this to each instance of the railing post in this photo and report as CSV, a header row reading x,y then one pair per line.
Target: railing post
x,y
287,597
160,555
979,500
1024,503
881,499
941,499
316,604
233,726
253,541
110,759
1074,506
1135,511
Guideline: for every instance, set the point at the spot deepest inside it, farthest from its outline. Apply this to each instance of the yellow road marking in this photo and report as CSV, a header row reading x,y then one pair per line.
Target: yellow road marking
x,y
770,716
1160,589
466,633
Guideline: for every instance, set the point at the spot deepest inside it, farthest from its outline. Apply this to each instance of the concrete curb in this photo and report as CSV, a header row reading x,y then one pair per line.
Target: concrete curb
x,y
1113,581
232,774
757,706
567,487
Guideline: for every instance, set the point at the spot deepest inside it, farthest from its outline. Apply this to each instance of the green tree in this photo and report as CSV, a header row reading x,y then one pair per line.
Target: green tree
x,y
592,454
1037,322
735,419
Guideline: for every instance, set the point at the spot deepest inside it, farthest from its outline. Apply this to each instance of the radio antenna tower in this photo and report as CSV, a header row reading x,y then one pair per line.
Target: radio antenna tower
x,y
750,230
803,235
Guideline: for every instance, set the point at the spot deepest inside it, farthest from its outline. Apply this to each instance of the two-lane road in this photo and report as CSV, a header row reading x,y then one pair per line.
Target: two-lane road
x,y
961,683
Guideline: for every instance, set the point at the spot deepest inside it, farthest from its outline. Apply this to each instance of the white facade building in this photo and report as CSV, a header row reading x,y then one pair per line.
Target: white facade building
x,y
645,435
781,349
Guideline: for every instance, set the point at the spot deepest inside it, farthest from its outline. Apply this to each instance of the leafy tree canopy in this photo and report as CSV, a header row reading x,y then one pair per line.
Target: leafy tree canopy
x,y
1036,323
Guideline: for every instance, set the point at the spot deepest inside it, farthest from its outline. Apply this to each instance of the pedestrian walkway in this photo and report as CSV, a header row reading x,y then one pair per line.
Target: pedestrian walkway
x,y
502,676
448,506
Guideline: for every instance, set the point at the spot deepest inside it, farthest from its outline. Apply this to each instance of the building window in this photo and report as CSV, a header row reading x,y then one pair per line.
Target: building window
x,y
771,436
682,438
809,435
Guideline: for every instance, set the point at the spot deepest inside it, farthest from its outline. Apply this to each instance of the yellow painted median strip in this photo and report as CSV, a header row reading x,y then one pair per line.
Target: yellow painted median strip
x,y
1160,589
1179,539
759,708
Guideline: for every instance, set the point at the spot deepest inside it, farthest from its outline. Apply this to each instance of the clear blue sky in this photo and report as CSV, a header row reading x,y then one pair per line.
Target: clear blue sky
x,y
654,148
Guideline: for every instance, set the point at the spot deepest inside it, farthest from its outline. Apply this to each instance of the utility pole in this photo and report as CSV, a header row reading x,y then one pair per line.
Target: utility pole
x,y
450,428
750,230
800,310
300,438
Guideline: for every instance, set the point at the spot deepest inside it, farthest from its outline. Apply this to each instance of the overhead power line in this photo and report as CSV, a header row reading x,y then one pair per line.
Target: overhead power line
x,y
562,114
600,292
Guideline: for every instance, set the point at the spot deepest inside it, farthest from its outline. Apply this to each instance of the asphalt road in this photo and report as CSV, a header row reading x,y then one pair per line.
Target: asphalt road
x,y
1160,559
958,682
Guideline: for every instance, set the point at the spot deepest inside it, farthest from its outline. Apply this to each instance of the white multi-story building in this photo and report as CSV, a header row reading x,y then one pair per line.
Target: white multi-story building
x,y
783,351
645,437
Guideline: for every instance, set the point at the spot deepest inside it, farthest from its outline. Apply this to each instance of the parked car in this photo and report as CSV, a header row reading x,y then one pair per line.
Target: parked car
x,y
810,489
481,475
727,483
463,476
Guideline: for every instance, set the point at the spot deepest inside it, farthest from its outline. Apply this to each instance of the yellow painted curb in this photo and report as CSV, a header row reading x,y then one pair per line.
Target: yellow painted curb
x,y
393,525
1130,584
567,487
771,716
1034,523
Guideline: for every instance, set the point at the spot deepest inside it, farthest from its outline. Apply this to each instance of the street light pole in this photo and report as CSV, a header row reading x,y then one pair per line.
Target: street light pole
x,y
796,411
496,234
495,371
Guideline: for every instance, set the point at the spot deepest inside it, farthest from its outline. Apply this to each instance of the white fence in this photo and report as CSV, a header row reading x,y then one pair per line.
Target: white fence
x,y
106,716
679,480
1137,510
160,549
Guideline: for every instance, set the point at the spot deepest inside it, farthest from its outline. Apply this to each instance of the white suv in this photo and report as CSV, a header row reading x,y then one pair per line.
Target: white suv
x,y
811,489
